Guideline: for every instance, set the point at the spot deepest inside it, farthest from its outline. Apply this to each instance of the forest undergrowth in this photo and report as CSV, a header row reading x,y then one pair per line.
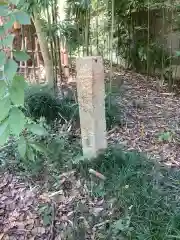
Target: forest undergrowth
x,y
56,196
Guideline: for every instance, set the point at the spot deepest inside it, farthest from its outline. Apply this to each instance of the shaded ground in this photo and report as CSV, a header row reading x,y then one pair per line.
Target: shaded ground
x,y
27,213
149,111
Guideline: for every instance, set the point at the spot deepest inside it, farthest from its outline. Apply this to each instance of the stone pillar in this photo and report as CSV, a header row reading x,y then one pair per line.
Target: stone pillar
x,y
91,99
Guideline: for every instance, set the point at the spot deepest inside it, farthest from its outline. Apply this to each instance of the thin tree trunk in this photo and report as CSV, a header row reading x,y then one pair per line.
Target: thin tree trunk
x,y
97,28
87,29
48,64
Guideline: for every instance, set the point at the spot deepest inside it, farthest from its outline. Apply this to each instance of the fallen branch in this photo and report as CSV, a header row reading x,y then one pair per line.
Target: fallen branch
x,y
97,174
112,130
100,224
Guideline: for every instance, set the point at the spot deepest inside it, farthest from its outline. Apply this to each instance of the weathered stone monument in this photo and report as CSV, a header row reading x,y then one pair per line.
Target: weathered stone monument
x,y
91,99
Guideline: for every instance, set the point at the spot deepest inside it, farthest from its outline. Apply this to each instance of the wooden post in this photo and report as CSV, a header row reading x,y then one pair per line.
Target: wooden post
x,y
91,96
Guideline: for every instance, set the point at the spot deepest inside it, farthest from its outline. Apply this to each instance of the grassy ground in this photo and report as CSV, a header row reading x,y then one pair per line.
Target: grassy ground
x,y
145,197
141,196
139,199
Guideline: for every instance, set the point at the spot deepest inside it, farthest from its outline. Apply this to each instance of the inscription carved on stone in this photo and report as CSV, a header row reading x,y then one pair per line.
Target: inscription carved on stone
x,y
91,96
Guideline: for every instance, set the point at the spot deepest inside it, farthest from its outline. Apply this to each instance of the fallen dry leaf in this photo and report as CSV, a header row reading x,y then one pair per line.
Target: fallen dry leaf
x,y
29,224
1,236
19,202
38,230
97,210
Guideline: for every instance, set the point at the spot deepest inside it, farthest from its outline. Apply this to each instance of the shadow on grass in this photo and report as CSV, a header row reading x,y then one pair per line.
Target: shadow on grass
x,y
144,196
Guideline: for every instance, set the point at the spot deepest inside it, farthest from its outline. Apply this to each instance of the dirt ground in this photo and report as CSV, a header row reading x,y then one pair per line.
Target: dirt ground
x,y
148,111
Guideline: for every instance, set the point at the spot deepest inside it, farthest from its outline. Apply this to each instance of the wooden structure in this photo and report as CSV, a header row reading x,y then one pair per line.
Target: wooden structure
x,y
33,70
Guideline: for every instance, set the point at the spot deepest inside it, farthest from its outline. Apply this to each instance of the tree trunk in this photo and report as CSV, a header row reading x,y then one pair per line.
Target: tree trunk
x,y
48,64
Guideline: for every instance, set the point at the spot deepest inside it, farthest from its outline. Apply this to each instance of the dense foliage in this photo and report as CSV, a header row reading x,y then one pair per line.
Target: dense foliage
x,y
13,123
40,101
130,35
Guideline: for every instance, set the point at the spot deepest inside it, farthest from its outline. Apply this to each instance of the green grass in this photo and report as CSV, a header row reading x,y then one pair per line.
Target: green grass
x,y
146,196
40,101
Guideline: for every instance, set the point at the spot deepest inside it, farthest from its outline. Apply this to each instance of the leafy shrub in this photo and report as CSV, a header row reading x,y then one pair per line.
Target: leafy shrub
x,y
143,195
40,101
52,154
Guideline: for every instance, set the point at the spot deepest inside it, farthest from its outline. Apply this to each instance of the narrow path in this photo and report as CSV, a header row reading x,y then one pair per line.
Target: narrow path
x,y
148,112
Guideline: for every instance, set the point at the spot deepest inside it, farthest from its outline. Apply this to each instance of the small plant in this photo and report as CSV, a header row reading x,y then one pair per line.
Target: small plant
x,y
165,136
40,101
121,226
46,213
46,155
